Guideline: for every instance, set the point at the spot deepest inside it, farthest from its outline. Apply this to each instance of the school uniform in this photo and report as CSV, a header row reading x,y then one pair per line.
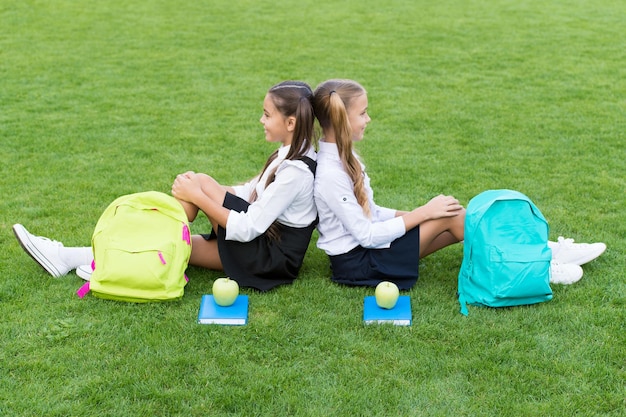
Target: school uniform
x,y
362,250
248,255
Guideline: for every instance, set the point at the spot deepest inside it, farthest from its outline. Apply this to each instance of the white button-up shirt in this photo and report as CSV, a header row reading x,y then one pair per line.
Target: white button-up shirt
x,y
289,199
342,223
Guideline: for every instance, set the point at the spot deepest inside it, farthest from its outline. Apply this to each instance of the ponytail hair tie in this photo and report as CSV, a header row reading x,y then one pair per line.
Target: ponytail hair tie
x,y
331,92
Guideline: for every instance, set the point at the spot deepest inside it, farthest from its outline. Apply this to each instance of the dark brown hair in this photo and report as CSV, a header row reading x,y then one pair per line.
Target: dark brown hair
x,y
291,98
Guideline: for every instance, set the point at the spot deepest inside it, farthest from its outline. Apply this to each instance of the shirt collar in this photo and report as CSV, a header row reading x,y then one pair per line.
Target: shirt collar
x,y
329,149
282,151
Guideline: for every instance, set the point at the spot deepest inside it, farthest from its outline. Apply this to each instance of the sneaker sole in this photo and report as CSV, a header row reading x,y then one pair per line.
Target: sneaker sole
x,y
592,257
580,260
566,282
22,237
588,258
573,280
84,274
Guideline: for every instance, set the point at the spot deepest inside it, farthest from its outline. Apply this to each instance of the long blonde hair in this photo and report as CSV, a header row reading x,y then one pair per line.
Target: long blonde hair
x,y
331,101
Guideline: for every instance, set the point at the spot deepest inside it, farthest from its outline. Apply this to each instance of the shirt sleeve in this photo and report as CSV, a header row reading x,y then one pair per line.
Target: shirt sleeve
x,y
383,213
276,198
339,196
245,190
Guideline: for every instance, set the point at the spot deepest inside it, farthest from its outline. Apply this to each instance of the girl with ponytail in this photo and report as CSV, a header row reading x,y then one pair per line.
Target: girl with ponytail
x,y
367,243
261,229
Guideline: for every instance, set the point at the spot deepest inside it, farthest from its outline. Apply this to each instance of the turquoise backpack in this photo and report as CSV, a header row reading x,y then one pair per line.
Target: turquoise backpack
x,y
506,258
141,246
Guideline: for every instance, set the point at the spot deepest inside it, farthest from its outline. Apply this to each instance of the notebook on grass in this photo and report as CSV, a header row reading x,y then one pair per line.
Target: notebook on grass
x,y
400,315
233,315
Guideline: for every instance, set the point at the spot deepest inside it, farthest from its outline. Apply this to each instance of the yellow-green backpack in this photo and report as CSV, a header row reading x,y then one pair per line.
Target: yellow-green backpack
x,y
141,246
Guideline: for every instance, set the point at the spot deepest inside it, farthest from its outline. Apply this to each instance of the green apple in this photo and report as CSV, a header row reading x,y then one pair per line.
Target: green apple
x,y
387,294
225,291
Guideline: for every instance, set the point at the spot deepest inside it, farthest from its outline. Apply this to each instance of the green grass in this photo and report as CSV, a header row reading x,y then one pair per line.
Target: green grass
x,y
100,99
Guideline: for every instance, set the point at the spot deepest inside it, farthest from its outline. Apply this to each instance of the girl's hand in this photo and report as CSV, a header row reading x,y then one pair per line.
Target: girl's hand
x,y
188,174
187,186
442,206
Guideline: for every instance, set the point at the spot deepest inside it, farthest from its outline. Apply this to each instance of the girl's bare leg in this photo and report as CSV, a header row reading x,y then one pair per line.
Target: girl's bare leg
x,y
437,234
211,189
440,242
204,253
190,209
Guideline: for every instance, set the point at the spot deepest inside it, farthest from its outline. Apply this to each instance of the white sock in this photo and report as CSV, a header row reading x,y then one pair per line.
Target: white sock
x,y
75,257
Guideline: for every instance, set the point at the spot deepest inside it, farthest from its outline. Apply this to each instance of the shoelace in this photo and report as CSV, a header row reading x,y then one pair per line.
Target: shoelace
x,y
555,267
569,242
52,242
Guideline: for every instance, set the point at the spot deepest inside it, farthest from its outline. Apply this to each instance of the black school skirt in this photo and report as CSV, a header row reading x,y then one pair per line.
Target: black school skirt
x,y
262,263
368,267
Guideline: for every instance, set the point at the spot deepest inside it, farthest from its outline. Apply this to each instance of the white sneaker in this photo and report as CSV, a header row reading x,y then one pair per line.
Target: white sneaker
x,y
565,251
565,273
84,271
43,250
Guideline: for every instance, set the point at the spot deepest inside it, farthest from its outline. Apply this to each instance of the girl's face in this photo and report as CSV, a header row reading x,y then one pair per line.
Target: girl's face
x,y
358,117
278,128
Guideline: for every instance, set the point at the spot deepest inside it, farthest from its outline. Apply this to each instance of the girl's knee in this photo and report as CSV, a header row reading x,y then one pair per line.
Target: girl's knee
x,y
190,210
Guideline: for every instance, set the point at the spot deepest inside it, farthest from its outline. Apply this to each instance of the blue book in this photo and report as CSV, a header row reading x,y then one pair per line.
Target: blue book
x,y
399,315
233,315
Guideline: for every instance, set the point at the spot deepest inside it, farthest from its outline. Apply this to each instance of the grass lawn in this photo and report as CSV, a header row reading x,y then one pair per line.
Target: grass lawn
x,y
101,99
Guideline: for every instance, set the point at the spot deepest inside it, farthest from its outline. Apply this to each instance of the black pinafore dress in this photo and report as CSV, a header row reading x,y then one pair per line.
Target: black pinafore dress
x,y
263,263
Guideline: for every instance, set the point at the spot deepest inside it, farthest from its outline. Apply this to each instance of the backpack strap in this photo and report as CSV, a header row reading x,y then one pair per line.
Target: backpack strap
x,y
310,163
463,310
83,290
313,167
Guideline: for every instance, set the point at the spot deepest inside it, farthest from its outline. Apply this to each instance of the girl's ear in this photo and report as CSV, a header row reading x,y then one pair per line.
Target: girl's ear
x,y
291,123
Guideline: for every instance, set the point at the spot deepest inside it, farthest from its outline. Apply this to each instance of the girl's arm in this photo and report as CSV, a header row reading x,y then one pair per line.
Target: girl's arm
x,y
334,190
244,190
436,208
292,180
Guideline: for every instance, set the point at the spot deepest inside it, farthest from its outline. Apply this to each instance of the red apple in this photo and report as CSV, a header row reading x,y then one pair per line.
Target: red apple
x,y
225,291
387,294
